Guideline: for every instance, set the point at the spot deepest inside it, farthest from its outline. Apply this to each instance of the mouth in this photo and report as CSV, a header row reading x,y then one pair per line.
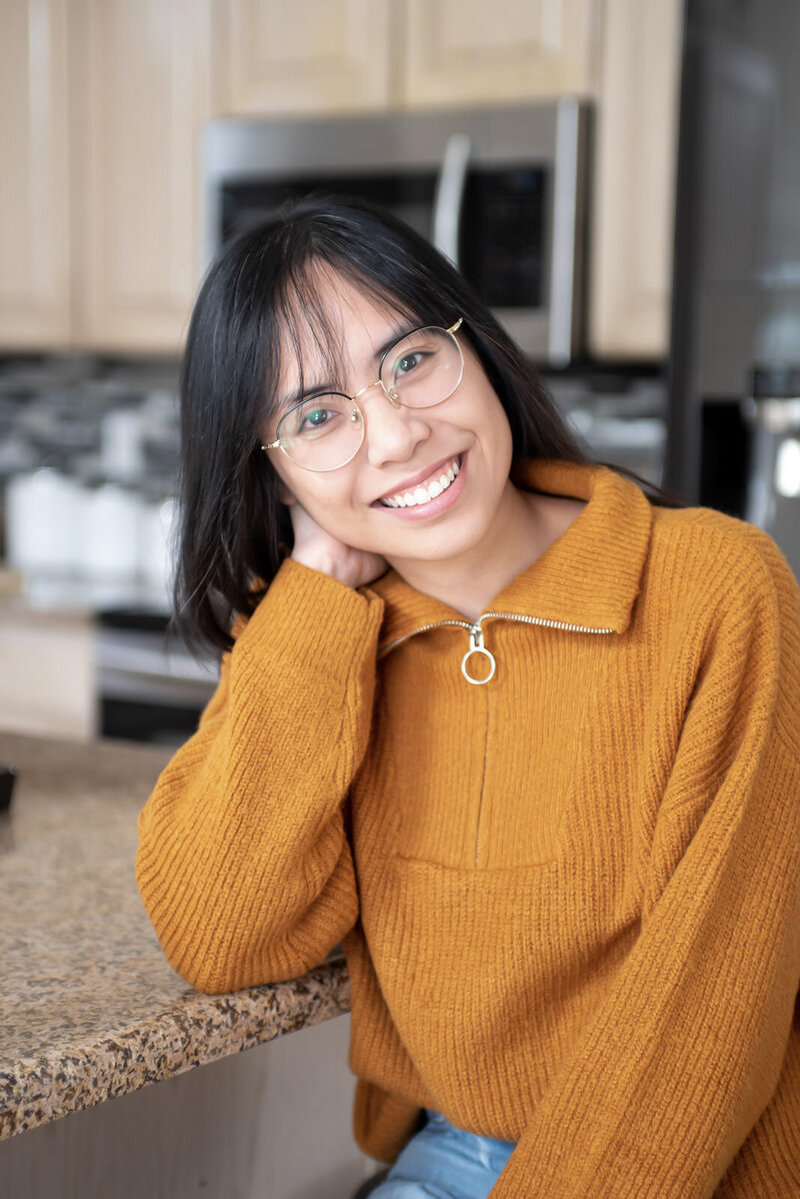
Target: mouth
x,y
429,488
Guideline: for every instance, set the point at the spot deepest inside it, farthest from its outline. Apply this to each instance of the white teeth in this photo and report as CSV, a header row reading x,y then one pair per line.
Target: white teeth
x,y
424,494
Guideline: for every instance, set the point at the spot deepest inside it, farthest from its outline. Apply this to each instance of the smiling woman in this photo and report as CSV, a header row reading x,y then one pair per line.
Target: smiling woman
x,y
524,739
311,302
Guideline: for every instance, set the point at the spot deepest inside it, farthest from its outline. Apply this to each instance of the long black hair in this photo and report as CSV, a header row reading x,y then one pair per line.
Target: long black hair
x,y
234,529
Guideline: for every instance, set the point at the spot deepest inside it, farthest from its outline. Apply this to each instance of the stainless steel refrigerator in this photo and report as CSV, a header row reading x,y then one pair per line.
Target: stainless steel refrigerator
x,y
736,293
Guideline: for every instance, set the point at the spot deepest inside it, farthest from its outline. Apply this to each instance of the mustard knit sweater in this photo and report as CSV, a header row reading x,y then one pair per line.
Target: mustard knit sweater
x,y
570,897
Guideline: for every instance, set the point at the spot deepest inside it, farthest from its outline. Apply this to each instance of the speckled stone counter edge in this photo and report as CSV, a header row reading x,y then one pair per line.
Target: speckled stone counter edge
x,y
197,1029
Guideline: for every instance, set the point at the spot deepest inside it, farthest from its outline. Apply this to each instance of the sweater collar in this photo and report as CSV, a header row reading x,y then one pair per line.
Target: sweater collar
x,y
589,577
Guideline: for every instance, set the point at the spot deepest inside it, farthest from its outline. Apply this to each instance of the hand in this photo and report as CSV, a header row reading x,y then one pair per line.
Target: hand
x,y
315,548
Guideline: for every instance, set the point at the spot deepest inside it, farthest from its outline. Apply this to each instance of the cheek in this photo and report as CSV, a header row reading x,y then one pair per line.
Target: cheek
x,y
340,522
301,486
283,476
502,427
506,441
328,509
495,430
328,503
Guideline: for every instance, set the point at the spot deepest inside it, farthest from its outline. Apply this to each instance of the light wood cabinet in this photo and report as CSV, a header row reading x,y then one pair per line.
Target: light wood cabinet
x,y
34,189
460,51
635,165
47,683
308,56
103,102
141,91
349,55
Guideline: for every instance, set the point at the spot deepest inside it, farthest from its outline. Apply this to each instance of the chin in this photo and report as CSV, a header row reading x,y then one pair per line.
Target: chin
x,y
434,550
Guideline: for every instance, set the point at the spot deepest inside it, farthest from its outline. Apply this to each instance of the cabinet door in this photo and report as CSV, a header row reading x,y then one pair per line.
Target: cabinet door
x,y
480,50
47,685
34,231
635,178
307,56
142,87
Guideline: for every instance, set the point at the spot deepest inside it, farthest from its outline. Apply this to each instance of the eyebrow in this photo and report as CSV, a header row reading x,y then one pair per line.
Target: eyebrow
x,y
288,401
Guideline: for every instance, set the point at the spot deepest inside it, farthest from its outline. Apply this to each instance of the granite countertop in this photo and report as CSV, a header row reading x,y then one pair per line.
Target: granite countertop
x,y
90,1008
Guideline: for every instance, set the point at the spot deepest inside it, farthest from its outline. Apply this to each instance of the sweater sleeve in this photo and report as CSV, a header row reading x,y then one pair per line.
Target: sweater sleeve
x,y
674,1068
244,864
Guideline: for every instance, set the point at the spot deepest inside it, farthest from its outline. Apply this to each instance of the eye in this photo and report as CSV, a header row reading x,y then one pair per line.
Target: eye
x,y
315,419
408,363
412,366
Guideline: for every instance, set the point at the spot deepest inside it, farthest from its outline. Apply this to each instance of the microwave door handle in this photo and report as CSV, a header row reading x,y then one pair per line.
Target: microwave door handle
x,y
565,233
449,195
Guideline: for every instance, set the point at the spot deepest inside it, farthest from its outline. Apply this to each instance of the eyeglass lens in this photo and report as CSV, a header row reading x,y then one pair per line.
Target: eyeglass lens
x,y
419,371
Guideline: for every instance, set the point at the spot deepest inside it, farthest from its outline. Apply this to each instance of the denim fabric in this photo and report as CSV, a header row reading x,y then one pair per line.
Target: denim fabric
x,y
442,1162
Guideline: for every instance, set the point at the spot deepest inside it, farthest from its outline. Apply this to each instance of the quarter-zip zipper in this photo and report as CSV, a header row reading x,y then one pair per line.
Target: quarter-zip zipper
x,y
475,631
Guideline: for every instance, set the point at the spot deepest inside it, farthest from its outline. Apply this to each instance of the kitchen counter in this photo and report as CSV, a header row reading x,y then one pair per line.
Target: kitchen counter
x,y
90,1008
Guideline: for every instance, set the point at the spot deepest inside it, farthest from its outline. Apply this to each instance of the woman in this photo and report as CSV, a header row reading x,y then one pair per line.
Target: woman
x,y
525,742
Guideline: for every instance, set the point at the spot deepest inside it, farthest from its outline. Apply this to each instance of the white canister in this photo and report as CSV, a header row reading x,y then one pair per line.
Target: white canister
x,y
157,543
43,523
111,516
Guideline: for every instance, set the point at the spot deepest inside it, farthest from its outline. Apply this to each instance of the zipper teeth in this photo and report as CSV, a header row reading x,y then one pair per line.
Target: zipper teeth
x,y
547,624
465,624
438,624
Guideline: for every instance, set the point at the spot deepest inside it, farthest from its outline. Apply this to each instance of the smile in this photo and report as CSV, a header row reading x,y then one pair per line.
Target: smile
x,y
423,493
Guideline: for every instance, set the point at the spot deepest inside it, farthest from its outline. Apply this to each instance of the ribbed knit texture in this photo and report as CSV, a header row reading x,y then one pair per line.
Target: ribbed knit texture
x,y
570,898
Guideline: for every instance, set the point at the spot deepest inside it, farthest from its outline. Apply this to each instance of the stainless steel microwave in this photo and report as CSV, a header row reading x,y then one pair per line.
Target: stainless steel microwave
x,y
501,191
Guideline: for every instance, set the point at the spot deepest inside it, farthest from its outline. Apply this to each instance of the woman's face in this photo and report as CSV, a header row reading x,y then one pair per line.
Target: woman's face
x,y
403,448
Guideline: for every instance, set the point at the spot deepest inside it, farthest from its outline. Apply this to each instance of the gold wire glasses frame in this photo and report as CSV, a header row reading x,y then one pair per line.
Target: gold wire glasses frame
x,y
356,415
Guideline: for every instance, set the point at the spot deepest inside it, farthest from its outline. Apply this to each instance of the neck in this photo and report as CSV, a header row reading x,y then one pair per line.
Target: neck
x,y
527,524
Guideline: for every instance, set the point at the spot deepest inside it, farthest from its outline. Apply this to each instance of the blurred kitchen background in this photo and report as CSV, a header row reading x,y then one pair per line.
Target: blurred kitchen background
x,y
619,178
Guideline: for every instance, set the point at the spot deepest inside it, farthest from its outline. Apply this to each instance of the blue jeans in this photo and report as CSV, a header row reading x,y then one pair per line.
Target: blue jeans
x,y
443,1162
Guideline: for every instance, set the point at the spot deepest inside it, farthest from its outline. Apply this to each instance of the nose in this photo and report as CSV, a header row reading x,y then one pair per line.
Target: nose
x,y
392,432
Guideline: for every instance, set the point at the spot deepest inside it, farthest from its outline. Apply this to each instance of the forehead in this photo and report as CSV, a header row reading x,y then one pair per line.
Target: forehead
x,y
332,328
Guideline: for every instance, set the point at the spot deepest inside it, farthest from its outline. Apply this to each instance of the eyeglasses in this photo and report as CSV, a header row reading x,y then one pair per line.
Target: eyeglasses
x,y
422,369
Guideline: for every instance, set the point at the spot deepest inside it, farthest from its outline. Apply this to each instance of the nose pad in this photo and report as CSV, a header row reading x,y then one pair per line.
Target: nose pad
x,y
392,396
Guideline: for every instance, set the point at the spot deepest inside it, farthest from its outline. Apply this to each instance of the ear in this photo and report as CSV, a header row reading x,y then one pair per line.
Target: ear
x,y
286,496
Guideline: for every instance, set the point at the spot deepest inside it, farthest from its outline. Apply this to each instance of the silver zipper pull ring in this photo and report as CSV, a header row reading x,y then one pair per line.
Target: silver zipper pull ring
x,y
476,646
